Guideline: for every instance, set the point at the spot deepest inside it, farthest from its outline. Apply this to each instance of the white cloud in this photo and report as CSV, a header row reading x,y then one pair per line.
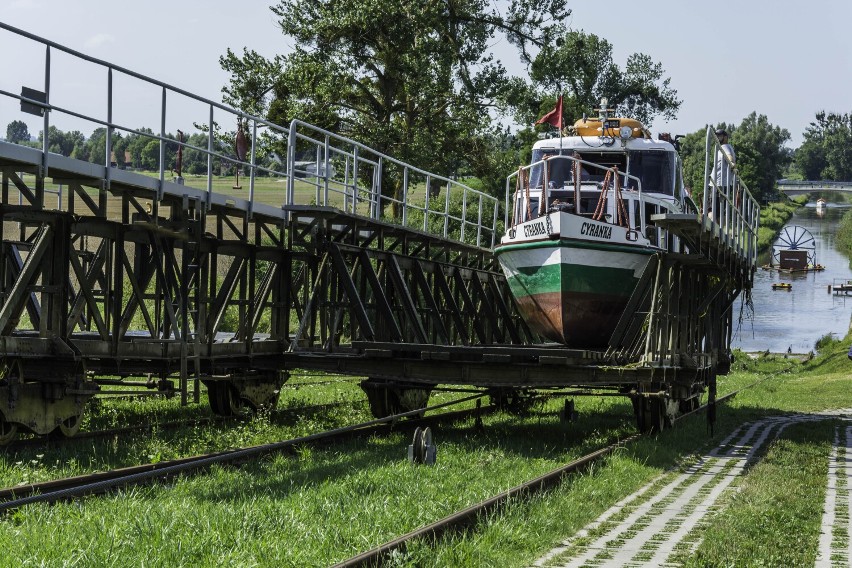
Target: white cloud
x,y
98,40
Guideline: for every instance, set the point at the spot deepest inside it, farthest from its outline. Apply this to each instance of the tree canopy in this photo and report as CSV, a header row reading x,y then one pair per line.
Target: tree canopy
x,y
409,78
17,131
760,150
417,80
826,152
580,67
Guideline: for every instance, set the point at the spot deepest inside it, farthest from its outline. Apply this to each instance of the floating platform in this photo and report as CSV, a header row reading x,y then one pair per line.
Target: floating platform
x,y
809,268
844,288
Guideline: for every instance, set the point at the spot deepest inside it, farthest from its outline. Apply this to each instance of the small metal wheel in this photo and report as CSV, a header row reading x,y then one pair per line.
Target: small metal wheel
x,y
657,415
417,449
224,399
8,431
70,426
422,449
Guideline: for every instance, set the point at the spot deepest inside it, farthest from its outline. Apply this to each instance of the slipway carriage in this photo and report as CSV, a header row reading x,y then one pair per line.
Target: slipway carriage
x,y
608,278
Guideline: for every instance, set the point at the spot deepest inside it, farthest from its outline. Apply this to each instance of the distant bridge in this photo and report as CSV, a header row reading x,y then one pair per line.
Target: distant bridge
x,y
794,188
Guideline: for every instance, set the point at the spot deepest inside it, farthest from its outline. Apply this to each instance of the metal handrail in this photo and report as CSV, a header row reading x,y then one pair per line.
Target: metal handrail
x,y
357,157
730,210
329,148
510,194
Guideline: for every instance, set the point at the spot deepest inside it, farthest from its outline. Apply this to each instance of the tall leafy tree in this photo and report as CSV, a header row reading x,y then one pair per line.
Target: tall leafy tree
x,y
826,152
580,67
761,152
60,142
17,132
410,78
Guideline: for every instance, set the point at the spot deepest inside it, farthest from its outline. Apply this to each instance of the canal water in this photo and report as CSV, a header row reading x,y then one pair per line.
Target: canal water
x,y
795,319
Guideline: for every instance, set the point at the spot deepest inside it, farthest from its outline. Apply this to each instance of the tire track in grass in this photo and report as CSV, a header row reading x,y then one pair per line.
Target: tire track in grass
x,y
666,517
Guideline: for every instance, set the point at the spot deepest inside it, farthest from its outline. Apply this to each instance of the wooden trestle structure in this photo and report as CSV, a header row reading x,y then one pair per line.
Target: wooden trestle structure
x,y
126,275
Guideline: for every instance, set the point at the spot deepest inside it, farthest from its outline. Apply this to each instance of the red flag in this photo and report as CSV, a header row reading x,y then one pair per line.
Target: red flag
x,y
554,117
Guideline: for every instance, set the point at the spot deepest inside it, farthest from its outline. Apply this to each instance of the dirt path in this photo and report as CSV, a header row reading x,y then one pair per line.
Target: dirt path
x,y
665,518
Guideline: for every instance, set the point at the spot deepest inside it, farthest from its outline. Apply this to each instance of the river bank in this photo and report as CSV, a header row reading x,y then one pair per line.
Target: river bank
x,y
773,217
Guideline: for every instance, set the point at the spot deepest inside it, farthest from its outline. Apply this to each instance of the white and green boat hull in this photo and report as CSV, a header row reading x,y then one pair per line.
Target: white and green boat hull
x,y
573,291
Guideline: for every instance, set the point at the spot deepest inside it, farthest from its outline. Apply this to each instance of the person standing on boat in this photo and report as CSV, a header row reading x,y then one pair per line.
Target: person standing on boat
x,y
723,170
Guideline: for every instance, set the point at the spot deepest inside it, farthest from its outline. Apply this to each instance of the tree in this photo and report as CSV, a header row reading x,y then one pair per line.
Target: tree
x,y
17,132
826,152
761,154
580,67
60,142
760,150
411,79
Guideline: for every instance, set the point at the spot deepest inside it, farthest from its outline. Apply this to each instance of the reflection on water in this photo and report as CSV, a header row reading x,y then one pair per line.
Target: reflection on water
x,y
797,318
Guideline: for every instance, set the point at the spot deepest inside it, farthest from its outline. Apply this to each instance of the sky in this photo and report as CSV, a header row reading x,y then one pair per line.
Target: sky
x,y
785,59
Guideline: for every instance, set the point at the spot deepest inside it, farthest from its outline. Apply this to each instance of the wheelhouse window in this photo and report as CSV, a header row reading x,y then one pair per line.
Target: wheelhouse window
x,y
561,173
655,169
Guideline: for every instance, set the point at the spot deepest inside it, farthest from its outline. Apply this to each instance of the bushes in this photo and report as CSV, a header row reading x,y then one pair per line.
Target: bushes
x,y
773,217
843,237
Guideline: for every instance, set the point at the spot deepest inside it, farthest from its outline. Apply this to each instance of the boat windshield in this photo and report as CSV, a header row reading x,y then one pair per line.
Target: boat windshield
x,y
655,168
561,173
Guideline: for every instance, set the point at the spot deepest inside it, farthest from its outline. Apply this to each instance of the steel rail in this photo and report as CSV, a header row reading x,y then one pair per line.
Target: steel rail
x,y
62,489
376,556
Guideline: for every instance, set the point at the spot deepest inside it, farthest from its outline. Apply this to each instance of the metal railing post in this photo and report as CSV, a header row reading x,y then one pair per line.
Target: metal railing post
x,y
253,166
46,135
426,203
479,222
210,160
494,226
291,161
317,178
405,197
463,214
163,147
447,212
377,190
108,149
325,170
354,179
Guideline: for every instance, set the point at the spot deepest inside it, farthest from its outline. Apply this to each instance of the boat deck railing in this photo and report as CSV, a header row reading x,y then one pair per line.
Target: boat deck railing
x,y
321,169
727,206
518,184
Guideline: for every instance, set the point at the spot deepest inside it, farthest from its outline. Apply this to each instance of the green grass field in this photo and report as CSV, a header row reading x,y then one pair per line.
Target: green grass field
x,y
328,503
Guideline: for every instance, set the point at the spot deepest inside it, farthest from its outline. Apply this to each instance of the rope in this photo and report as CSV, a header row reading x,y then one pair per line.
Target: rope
x,y
621,216
601,206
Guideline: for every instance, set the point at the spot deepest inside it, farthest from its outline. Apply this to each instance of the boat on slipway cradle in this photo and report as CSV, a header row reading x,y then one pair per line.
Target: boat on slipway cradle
x,y
606,252
581,232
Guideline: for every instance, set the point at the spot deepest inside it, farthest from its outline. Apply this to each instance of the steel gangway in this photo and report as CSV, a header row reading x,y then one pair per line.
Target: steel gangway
x,y
333,257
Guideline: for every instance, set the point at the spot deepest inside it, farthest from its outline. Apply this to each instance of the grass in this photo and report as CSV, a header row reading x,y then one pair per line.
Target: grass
x,y
327,503
774,518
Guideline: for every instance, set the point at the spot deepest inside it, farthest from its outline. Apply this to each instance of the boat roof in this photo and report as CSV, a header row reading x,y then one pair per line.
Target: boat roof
x,y
594,143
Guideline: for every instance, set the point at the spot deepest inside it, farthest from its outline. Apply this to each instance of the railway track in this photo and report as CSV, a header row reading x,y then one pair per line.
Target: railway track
x,y
79,486
459,519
